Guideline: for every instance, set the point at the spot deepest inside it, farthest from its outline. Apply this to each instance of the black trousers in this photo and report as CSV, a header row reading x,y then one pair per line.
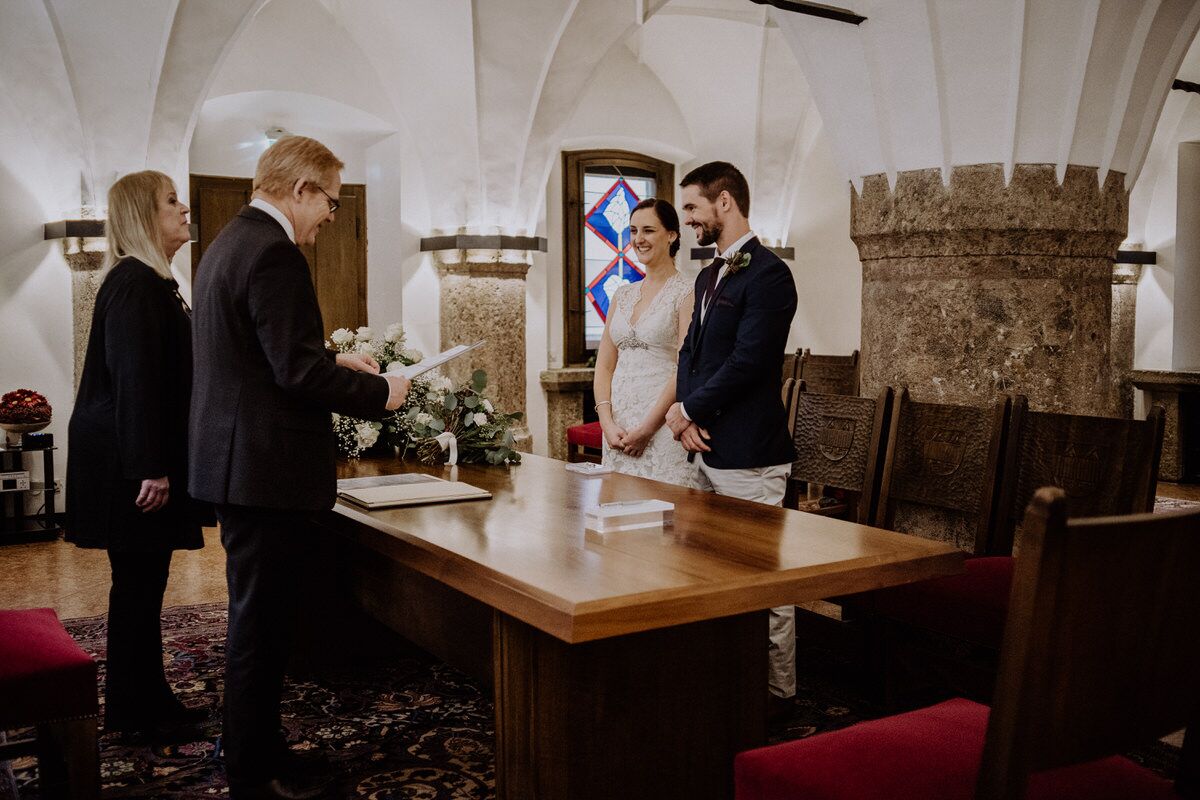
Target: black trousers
x,y
136,692
269,561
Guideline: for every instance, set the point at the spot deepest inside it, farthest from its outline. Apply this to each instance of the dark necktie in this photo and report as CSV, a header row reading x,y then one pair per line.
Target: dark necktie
x,y
714,272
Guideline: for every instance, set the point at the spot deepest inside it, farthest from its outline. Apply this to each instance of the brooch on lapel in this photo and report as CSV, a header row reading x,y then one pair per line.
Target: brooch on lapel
x,y
737,263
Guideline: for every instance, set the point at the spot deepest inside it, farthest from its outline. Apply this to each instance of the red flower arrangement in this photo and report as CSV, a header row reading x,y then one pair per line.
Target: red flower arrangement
x,y
24,406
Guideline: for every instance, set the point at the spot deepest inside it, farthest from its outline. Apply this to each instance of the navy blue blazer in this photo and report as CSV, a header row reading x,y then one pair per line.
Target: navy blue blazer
x,y
264,384
729,365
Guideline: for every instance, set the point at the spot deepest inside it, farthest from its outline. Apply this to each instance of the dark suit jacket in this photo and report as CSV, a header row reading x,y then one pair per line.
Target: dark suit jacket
x,y
131,417
729,365
265,385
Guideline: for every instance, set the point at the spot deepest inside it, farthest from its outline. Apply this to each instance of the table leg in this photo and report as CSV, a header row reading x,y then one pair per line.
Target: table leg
x,y
656,714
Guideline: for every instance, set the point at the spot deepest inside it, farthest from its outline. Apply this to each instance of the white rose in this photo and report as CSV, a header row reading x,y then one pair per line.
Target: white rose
x,y
424,419
394,332
414,356
342,336
480,418
395,365
363,348
364,334
442,384
367,434
487,406
336,417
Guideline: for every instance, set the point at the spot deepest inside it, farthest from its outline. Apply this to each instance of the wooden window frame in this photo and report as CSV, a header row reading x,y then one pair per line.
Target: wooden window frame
x,y
575,164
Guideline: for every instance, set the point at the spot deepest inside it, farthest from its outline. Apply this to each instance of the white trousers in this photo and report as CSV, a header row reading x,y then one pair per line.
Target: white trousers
x,y
763,485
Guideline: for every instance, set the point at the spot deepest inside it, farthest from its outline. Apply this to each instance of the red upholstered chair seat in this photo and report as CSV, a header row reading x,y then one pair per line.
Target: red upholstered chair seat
x,y
930,754
44,675
972,605
587,435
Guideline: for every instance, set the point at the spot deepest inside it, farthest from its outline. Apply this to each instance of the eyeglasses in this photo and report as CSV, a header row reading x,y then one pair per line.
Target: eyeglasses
x,y
334,204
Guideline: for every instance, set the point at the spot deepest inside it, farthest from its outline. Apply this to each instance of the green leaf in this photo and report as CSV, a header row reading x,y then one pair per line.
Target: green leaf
x,y
438,425
451,402
471,401
479,380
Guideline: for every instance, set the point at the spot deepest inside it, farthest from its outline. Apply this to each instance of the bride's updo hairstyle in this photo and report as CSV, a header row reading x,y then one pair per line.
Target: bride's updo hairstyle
x,y
666,215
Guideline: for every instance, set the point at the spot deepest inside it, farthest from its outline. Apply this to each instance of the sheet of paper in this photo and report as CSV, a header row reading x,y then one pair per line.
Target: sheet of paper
x,y
433,362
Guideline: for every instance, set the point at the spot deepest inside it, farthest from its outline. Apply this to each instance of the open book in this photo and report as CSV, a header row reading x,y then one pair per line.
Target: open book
x,y
408,492
433,362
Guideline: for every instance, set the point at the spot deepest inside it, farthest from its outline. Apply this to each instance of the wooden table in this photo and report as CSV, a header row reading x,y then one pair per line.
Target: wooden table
x,y
633,668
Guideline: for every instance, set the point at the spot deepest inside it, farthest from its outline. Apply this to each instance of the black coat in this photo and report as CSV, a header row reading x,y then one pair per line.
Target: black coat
x,y
261,432
130,418
729,365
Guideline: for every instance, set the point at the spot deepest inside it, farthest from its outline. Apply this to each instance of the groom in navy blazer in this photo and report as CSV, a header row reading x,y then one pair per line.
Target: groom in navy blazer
x,y
729,411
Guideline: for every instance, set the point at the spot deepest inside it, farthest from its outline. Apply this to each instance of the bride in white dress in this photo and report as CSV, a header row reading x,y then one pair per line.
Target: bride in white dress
x,y
635,366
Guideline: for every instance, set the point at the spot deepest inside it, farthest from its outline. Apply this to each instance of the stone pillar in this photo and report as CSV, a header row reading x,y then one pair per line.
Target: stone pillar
x,y
486,300
85,257
1124,318
1179,395
564,404
978,288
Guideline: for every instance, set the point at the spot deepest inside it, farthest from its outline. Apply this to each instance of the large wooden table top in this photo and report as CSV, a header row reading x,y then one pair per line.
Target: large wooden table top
x,y
524,552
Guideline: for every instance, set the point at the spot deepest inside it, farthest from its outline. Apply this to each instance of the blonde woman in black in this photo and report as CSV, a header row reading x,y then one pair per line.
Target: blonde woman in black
x,y
127,457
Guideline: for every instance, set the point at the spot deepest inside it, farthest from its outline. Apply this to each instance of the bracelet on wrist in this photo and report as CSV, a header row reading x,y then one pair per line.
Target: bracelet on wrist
x,y
601,403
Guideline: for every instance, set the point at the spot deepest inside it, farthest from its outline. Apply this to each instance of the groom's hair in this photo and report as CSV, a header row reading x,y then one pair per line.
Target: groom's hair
x,y
720,176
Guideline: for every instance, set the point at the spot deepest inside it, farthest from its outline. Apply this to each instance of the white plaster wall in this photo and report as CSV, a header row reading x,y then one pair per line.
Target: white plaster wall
x,y
827,270
1152,217
35,283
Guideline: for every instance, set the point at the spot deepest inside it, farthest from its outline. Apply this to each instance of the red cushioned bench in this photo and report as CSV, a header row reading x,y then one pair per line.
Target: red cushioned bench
x,y
48,682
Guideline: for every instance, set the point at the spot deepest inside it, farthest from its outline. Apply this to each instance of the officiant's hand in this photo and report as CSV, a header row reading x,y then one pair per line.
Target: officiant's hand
x,y
693,437
635,441
676,421
357,361
398,386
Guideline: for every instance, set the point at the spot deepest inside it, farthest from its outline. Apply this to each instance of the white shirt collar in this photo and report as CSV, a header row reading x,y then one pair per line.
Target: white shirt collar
x,y
736,246
277,215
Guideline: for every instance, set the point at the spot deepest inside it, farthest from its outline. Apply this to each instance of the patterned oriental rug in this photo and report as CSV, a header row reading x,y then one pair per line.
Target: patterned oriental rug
x,y
392,720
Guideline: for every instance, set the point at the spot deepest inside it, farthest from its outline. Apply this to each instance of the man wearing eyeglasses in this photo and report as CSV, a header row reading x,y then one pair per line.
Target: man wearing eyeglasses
x,y
261,440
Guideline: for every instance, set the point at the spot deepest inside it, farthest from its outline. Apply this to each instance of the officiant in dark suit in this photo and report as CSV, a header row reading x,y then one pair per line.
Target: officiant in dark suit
x,y
262,443
729,411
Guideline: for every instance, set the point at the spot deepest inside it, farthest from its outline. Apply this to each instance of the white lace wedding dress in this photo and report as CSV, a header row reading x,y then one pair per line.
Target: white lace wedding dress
x,y
647,355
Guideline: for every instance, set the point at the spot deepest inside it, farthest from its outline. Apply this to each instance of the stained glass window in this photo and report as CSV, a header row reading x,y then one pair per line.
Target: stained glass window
x,y
600,190
608,260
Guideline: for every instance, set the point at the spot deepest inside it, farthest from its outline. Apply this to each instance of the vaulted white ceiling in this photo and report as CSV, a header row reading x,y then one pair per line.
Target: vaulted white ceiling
x,y
937,83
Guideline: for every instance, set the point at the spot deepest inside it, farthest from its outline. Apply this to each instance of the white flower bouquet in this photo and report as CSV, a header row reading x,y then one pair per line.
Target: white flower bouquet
x,y
434,412
355,436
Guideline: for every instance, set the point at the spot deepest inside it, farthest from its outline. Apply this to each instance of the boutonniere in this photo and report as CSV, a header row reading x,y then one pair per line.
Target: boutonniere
x,y
737,263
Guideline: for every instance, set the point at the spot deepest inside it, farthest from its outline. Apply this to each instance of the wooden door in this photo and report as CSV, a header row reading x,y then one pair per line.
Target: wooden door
x,y
338,262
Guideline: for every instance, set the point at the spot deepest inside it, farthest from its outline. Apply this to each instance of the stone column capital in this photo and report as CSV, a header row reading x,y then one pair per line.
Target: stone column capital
x,y
977,214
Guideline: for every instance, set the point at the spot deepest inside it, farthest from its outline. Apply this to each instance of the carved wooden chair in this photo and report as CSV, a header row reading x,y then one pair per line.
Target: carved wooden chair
x,y
840,443
791,366
1100,655
941,471
829,374
1105,466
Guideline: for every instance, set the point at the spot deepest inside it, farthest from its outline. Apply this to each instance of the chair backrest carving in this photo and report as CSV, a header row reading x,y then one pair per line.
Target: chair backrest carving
x,y
840,442
829,374
1100,650
941,472
1105,465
